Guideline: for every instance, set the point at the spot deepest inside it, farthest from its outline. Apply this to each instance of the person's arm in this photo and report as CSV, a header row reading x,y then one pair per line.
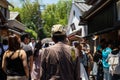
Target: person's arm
x,y
43,64
91,57
77,69
30,53
4,62
24,59
31,63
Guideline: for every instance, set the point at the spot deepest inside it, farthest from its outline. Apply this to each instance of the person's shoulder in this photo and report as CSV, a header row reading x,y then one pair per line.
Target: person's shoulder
x,y
109,49
52,49
22,50
6,52
65,45
68,46
30,44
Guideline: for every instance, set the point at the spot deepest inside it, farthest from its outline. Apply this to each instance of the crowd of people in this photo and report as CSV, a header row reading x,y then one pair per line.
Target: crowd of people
x,y
23,58
107,59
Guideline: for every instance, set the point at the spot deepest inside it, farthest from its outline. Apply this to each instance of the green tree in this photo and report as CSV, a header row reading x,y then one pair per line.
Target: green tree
x,y
31,17
56,14
53,14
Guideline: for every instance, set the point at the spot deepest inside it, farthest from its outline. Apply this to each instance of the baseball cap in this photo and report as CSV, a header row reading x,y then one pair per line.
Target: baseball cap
x,y
58,28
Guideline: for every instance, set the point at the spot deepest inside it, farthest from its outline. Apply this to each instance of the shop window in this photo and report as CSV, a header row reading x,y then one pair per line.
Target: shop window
x,y
73,26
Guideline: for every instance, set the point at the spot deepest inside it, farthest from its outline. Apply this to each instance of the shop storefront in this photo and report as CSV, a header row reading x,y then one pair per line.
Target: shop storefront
x,y
103,21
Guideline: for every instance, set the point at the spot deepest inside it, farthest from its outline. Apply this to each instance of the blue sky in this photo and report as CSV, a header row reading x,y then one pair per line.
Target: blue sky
x,y
17,2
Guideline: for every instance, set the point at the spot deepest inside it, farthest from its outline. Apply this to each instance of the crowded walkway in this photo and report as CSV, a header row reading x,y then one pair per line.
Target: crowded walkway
x,y
24,58
59,39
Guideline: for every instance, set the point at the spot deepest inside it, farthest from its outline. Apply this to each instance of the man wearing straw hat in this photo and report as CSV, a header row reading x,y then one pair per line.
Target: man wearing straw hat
x,y
56,61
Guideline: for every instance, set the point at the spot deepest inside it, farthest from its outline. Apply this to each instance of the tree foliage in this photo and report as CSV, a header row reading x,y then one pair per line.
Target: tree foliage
x,y
56,14
53,14
30,16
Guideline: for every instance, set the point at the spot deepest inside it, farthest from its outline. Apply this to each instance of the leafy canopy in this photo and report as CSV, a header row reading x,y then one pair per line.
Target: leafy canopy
x,y
39,22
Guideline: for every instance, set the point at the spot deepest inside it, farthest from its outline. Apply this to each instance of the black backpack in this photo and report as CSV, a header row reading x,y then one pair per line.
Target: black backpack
x,y
97,56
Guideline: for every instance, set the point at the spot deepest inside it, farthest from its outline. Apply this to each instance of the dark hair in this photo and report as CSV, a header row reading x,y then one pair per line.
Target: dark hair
x,y
13,42
5,42
58,36
46,45
76,44
103,43
23,36
109,42
102,40
38,46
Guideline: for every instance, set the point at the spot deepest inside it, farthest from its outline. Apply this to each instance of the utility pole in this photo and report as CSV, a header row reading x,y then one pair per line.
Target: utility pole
x,y
40,8
40,21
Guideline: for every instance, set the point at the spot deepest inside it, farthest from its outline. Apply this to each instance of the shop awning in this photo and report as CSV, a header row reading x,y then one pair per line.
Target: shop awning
x,y
72,36
16,25
93,10
5,3
103,31
16,32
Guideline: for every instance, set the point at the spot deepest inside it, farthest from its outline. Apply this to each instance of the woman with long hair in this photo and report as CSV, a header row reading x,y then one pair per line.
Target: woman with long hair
x,y
14,61
35,74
